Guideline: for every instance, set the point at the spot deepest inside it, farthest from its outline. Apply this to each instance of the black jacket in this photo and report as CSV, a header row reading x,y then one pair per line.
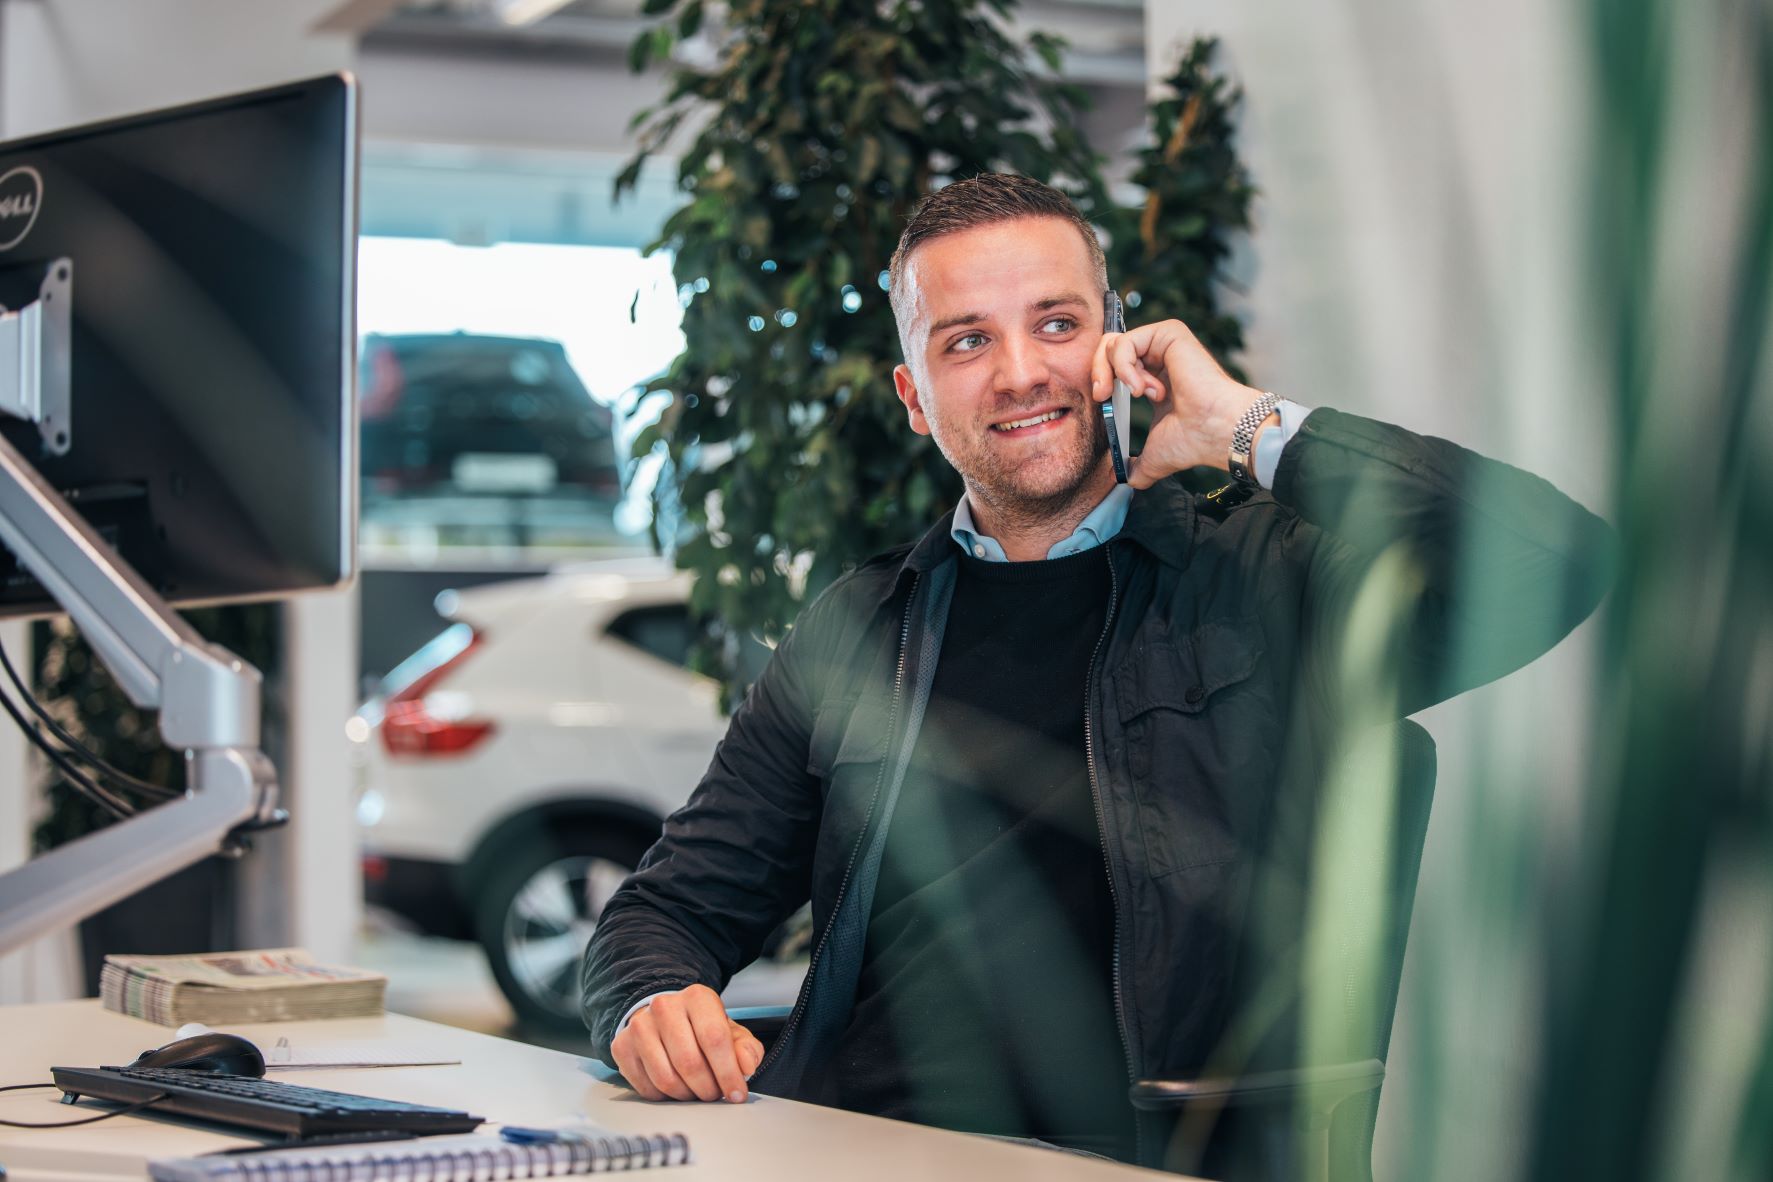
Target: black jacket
x,y
1386,572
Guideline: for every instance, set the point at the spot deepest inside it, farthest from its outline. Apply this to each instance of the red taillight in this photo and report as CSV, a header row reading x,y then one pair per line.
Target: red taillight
x,y
410,728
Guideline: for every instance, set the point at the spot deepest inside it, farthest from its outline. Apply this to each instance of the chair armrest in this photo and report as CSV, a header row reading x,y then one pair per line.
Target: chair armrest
x,y
764,1022
1327,1087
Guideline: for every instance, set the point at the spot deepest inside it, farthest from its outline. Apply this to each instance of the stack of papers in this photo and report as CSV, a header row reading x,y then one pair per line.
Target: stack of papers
x,y
267,985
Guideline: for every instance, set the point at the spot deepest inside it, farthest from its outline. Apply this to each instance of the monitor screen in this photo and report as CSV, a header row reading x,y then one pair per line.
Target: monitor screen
x,y
212,424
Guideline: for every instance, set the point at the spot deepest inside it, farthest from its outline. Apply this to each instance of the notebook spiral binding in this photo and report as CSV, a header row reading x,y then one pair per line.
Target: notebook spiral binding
x,y
473,1158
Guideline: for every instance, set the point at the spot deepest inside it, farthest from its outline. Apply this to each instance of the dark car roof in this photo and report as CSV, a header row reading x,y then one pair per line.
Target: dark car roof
x,y
429,340
455,357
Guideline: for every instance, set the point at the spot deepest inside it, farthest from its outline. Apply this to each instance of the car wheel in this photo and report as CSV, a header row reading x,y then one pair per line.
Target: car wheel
x,y
536,913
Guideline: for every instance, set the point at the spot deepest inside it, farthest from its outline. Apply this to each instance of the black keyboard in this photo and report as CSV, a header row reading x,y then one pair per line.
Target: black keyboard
x,y
261,1104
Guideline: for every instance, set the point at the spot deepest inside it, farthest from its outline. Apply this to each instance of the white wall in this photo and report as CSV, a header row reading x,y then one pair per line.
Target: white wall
x,y
65,62
72,61
1415,258
477,99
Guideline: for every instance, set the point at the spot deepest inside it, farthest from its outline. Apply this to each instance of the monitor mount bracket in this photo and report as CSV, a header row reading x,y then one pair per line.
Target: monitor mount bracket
x,y
34,354
207,698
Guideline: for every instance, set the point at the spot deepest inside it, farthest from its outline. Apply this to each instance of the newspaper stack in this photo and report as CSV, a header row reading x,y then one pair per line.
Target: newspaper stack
x,y
234,988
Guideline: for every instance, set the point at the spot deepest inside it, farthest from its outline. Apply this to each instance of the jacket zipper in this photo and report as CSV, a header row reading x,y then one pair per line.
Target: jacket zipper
x,y
843,887
1120,1013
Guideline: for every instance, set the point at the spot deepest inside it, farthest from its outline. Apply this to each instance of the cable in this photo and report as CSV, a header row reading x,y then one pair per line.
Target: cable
x,y
63,1124
78,780
76,747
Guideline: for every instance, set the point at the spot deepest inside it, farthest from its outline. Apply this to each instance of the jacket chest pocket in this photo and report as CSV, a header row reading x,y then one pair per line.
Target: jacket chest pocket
x,y
845,753
1200,739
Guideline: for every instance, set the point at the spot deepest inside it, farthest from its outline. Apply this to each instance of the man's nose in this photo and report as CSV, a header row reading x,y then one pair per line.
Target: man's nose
x,y
1021,366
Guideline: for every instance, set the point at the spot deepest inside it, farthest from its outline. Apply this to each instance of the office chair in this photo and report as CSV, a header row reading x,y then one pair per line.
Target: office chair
x,y
1316,1120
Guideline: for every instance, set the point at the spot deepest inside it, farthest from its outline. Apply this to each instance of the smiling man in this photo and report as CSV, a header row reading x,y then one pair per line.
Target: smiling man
x,y
1025,768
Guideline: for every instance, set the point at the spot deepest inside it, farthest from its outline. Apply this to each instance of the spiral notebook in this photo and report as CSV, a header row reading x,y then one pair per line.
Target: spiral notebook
x,y
472,1157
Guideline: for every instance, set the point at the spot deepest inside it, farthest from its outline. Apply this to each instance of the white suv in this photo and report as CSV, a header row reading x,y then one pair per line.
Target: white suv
x,y
517,766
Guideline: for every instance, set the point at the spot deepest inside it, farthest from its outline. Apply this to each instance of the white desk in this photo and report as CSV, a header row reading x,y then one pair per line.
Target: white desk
x,y
766,1139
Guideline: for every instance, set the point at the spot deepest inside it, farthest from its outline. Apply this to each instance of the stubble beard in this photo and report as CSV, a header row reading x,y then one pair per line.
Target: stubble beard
x,y
1017,499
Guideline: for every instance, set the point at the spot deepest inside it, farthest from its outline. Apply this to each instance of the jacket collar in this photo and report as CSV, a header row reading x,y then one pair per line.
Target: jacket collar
x,y
934,548
1163,520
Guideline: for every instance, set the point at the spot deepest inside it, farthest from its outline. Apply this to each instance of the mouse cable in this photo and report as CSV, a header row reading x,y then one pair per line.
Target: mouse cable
x,y
78,749
62,1124
76,779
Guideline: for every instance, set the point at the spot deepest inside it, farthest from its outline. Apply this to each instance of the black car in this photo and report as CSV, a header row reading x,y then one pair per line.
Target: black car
x,y
460,414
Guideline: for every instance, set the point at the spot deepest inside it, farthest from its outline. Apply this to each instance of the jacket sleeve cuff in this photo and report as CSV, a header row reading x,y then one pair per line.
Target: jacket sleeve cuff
x,y
1274,441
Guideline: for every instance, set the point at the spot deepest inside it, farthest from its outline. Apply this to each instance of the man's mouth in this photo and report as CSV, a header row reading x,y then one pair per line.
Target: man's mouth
x,y
1029,423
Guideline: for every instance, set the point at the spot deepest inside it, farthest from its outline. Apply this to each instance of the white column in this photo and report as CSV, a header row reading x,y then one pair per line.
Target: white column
x,y
322,877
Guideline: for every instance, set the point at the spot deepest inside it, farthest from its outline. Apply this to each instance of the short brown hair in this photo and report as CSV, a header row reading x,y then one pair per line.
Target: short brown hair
x,y
983,200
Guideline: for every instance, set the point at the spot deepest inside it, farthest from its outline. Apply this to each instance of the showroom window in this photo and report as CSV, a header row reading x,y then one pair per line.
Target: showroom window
x,y
498,396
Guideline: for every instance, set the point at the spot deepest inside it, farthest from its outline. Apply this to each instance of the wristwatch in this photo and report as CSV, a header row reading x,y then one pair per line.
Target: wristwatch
x,y
1243,437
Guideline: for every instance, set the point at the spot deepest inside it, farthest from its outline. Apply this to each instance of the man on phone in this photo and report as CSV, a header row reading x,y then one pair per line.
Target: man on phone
x,y
1023,768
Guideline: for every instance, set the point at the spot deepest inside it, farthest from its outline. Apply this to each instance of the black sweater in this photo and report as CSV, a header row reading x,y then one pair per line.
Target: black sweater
x,y
985,1000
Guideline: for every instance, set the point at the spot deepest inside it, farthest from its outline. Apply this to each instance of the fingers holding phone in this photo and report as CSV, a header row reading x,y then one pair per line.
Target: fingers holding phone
x,y
1196,403
1135,358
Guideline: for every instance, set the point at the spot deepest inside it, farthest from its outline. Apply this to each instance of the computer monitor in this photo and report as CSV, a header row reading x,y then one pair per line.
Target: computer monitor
x,y
178,426
211,434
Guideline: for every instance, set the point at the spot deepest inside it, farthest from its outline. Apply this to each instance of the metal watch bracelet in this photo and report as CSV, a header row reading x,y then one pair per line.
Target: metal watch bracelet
x,y
1243,438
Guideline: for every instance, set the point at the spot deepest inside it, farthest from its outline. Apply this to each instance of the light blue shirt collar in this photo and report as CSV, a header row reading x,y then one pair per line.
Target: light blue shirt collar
x,y
1103,522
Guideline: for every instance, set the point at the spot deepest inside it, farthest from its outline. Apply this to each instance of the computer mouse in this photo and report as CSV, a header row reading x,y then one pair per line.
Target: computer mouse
x,y
214,1053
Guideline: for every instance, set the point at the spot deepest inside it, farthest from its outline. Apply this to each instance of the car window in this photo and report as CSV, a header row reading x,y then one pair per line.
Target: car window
x,y
664,630
661,629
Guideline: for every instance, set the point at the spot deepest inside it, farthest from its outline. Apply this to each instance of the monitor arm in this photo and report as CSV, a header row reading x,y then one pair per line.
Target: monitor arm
x,y
207,697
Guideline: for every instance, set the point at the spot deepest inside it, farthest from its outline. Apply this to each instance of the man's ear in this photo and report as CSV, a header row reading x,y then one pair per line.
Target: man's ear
x,y
906,385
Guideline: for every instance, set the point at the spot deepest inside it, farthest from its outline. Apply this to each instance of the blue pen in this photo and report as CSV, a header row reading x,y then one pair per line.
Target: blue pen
x,y
518,1135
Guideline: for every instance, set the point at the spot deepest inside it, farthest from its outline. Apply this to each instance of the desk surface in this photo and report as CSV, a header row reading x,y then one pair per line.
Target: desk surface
x,y
504,1081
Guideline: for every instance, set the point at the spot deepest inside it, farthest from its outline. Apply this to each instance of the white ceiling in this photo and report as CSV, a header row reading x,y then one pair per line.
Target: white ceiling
x,y
1106,37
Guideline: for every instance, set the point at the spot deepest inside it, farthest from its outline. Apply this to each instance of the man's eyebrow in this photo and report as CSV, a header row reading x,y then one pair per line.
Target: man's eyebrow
x,y
965,318
956,321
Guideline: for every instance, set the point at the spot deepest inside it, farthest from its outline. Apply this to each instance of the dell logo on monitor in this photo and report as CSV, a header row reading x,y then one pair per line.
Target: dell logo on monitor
x,y
21,192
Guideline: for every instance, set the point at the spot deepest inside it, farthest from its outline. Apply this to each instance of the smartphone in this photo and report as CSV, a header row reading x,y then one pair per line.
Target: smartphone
x,y
1117,412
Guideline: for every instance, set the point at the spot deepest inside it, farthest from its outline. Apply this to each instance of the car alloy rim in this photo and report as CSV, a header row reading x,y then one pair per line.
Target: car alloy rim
x,y
549,922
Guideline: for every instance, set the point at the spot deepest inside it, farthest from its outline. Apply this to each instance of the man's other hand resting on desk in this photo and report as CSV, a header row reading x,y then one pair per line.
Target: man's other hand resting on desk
x,y
682,1046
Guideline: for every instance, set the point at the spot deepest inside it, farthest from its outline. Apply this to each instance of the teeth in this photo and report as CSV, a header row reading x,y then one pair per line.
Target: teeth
x,y
1051,414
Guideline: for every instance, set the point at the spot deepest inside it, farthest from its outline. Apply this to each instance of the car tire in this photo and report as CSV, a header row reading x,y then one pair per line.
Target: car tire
x,y
536,910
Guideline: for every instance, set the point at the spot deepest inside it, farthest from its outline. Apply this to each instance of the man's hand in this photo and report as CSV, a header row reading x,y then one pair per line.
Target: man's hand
x,y
682,1046
1197,403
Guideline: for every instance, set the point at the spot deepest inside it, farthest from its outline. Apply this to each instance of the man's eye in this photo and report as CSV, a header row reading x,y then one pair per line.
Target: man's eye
x,y
968,343
1058,325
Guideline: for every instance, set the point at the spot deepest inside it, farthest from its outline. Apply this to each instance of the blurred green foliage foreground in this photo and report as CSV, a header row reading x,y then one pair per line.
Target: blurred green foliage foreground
x,y
1657,1059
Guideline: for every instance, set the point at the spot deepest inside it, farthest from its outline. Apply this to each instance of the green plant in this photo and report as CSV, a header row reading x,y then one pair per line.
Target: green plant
x,y
1168,255
822,124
